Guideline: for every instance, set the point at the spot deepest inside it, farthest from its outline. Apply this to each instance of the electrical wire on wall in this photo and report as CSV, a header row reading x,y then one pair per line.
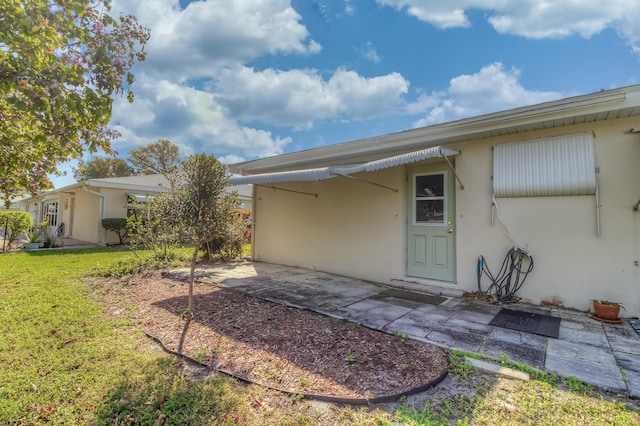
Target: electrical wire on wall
x,y
515,268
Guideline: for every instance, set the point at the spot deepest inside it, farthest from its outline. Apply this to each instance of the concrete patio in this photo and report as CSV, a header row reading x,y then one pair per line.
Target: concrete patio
x,y
603,355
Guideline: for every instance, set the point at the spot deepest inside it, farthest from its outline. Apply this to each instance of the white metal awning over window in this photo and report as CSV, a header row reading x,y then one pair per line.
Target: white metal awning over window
x,y
329,172
138,198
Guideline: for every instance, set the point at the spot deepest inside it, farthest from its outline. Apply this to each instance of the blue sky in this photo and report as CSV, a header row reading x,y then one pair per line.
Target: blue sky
x,y
246,79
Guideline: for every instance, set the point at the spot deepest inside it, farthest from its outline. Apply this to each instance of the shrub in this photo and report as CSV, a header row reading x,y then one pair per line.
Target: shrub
x,y
154,226
15,224
117,225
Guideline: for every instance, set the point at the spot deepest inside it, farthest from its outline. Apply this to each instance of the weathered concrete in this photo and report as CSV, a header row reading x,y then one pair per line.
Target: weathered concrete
x,y
601,355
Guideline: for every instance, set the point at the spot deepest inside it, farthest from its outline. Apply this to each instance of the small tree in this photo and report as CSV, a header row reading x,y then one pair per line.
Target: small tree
x,y
227,241
117,225
14,224
205,210
155,226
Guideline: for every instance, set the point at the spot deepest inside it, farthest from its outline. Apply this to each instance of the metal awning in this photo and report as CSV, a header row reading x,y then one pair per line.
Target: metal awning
x,y
139,198
329,172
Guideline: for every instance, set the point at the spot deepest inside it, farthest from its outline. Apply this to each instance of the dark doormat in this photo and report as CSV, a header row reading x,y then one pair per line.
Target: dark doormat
x,y
544,325
409,295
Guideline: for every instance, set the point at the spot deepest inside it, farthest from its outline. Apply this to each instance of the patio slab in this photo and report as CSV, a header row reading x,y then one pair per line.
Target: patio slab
x,y
373,313
589,364
586,349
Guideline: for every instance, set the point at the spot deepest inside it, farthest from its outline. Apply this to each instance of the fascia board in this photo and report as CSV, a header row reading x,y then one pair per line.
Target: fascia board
x,y
443,133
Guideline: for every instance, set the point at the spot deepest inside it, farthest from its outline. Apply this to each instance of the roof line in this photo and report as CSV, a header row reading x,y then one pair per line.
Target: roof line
x,y
448,132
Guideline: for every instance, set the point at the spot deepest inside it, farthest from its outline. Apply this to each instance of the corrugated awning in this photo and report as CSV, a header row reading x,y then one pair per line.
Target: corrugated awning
x,y
329,172
139,198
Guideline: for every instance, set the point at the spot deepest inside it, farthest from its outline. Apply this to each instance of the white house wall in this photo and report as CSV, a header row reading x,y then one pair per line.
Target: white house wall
x,y
85,216
358,230
351,228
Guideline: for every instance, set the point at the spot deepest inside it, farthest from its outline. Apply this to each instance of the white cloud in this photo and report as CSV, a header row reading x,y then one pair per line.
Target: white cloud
x,y
206,35
231,159
298,97
196,90
533,18
190,118
491,89
349,8
205,44
370,53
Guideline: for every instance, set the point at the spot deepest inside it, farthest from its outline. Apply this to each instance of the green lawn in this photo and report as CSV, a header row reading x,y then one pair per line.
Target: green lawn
x,y
63,360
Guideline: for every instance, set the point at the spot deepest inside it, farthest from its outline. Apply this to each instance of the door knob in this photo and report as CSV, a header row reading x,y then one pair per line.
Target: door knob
x,y
450,231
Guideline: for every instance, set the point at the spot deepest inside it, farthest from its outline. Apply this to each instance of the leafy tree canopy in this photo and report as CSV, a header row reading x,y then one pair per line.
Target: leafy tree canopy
x,y
61,61
102,168
203,209
160,157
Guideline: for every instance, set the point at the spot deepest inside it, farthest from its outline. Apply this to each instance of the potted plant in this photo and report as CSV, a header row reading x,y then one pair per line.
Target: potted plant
x,y
607,310
33,240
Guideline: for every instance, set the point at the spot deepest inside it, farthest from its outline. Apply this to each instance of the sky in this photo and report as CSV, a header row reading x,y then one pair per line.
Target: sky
x,y
248,79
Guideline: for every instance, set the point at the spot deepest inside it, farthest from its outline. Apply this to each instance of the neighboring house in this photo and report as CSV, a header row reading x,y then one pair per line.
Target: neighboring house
x,y
77,210
417,208
245,194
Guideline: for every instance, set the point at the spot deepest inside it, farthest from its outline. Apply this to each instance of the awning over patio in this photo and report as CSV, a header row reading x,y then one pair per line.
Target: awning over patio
x,y
329,172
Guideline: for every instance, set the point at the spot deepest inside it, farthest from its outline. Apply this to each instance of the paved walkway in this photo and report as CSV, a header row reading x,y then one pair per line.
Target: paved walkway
x,y
602,355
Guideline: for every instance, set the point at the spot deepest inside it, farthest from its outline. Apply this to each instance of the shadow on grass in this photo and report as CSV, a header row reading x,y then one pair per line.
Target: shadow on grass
x,y
162,394
63,251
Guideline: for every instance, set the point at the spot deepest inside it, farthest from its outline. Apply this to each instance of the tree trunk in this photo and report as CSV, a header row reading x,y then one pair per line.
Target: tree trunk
x,y
191,278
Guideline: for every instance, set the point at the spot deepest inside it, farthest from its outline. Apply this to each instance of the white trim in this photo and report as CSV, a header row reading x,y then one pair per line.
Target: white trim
x,y
603,105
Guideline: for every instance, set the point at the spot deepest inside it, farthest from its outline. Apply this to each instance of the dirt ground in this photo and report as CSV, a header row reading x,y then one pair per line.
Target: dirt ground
x,y
273,345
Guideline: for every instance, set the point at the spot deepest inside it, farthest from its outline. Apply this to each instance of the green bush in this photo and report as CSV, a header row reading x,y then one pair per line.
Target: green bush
x,y
117,225
145,262
16,224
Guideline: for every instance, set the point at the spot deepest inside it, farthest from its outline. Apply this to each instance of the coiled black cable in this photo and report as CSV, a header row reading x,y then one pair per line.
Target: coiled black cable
x,y
514,270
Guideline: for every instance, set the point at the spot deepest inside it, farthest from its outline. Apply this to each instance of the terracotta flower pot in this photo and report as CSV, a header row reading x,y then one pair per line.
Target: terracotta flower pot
x,y
608,311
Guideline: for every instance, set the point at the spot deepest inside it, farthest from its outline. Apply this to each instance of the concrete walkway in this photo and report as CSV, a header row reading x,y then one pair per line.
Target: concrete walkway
x,y
603,355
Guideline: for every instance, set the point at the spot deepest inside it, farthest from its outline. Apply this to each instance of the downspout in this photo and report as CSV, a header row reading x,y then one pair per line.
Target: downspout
x,y
101,231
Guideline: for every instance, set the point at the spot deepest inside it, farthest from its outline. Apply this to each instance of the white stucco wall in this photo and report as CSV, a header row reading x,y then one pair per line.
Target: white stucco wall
x,y
86,214
358,230
346,229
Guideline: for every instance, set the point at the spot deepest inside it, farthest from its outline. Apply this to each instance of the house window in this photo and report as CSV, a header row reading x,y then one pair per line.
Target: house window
x,y
429,199
136,203
562,165
50,213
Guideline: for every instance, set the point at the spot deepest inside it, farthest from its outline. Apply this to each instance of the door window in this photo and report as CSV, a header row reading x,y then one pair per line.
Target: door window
x,y
430,199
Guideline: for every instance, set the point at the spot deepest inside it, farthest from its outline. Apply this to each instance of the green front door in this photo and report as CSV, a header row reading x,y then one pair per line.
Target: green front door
x,y
431,223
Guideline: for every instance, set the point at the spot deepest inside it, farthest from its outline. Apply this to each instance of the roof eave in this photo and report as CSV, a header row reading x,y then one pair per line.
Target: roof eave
x,y
455,131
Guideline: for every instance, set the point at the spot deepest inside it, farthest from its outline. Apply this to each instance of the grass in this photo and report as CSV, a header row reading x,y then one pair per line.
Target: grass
x,y
63,360
545,400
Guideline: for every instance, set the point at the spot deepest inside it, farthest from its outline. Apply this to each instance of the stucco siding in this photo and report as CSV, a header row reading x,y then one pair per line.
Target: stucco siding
x,y
356,229
351,228
115,207
85,216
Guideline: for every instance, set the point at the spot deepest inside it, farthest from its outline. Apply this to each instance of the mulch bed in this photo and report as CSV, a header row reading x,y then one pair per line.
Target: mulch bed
x,y
275,345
